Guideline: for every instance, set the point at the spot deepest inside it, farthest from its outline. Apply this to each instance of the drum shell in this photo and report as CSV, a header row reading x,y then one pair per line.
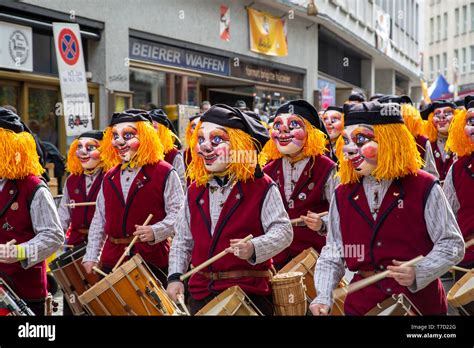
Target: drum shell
x,y
401,306
289,296
231,302
463,301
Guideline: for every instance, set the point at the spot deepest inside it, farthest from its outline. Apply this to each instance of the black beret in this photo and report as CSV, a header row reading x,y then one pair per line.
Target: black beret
x,y
469,101
459,102
425,113
10,120
399,99
373,113
193,117
304,109
253,115
96,134
228,116
334,108
376,96
358,96
130,115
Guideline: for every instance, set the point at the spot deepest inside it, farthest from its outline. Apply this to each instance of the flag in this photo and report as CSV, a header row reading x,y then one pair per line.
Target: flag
x,y
267,33
439,87
225,23
424,90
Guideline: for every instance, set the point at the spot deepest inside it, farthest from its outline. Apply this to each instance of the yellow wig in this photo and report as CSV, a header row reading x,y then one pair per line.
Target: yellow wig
x,y
315,145
188,134
397,155
18,155
412,119
150,150
241,170
458,142
429,129
167,138
73,164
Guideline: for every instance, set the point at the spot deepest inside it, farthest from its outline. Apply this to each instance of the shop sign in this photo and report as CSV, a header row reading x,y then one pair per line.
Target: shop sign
x,y
16,47
264,74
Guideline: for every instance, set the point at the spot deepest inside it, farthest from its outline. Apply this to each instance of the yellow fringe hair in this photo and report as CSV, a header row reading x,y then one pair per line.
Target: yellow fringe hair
x,y
429,129
457,141
315,145
73,164
167,138
240,170
188,134
18,155
150,150
396,158
412,119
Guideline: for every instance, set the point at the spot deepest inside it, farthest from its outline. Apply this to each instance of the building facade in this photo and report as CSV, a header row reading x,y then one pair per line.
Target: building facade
x,y
449,43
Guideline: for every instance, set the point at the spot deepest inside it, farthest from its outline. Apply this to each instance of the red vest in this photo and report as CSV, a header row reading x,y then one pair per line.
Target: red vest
x,y
307,195
146,196
81,217
15,223
169,157
421,145
441,166
239,217
399,233
463,179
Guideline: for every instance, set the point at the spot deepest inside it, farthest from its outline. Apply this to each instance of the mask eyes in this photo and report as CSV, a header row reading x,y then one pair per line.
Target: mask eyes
x,y
128,135
277,125
346,140
294,124
470,122
361,140
200,140
91,148
115,136
217,140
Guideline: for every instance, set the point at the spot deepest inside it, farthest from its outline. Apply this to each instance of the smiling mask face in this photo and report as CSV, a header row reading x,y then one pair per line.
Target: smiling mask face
x,y
360,148
289,134
213,147
442,118
125,140
88,153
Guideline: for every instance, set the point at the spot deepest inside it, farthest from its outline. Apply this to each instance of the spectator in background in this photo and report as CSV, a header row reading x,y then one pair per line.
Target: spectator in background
x,y
241,105
205,105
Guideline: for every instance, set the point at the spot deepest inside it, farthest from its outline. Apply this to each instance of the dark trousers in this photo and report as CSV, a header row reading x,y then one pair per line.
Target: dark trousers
x,y
262,302
36,306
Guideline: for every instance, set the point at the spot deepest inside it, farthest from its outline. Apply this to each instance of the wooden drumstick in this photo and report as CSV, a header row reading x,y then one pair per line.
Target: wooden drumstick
x,y
13,241
134,240
470,243
211,260
181,302
81,204
339,292
98,270
457,268
300,220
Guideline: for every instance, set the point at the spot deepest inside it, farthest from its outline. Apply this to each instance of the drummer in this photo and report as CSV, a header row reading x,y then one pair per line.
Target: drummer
x,y
28,215
171,143
139,184
82,185
333,119
304,176
229,199
386,211
459,183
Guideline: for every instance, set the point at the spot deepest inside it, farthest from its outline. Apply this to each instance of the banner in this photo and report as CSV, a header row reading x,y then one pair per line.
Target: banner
x,y
267,34
382,30
72,78
225,23
16,47
328,93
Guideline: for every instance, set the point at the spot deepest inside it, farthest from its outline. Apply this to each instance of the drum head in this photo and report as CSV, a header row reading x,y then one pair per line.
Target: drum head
x,y
462,291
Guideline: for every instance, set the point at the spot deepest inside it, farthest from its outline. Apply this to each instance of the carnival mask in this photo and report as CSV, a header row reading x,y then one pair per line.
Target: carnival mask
x,y
214,147
289,134
125,140
333,122
88,153
442,119
360,148
469,127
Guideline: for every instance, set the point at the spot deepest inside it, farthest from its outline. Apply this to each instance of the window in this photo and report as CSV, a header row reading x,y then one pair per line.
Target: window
x,y
472,16
438,27
445,64
431,30
464,19
438,65
464,60
456,60
431,68
416,23
445,26
456,20
472,58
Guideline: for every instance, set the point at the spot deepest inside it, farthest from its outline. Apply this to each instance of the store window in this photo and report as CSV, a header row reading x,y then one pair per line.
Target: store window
x,y
9,94
41,113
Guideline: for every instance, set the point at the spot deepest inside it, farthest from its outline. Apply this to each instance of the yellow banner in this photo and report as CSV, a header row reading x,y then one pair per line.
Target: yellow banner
x,y
267,34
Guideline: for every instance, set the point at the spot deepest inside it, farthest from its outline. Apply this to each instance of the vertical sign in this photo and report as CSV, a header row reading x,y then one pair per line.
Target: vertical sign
x,y
225,23
72,77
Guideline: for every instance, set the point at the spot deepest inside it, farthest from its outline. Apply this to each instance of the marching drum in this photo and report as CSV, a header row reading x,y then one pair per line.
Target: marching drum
x,y
10,303
461,294
231,302
72,277
288,292
131,289
305,263
396,305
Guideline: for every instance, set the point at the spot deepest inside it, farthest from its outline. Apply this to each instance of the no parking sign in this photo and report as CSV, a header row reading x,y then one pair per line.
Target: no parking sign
x,y
72,76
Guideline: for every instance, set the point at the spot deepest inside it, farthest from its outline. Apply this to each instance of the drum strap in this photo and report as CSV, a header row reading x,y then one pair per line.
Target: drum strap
x,y
83,230
125,240
236,274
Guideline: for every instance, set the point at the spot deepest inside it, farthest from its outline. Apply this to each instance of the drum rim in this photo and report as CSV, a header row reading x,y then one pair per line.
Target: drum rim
x,y
234,290
464,298
68,257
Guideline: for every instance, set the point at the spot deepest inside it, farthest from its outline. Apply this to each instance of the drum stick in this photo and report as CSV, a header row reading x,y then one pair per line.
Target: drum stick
x,y
181,302
469,243
339,292
211,260
457,268
300,220
134,240
98,270
81,204
13,241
